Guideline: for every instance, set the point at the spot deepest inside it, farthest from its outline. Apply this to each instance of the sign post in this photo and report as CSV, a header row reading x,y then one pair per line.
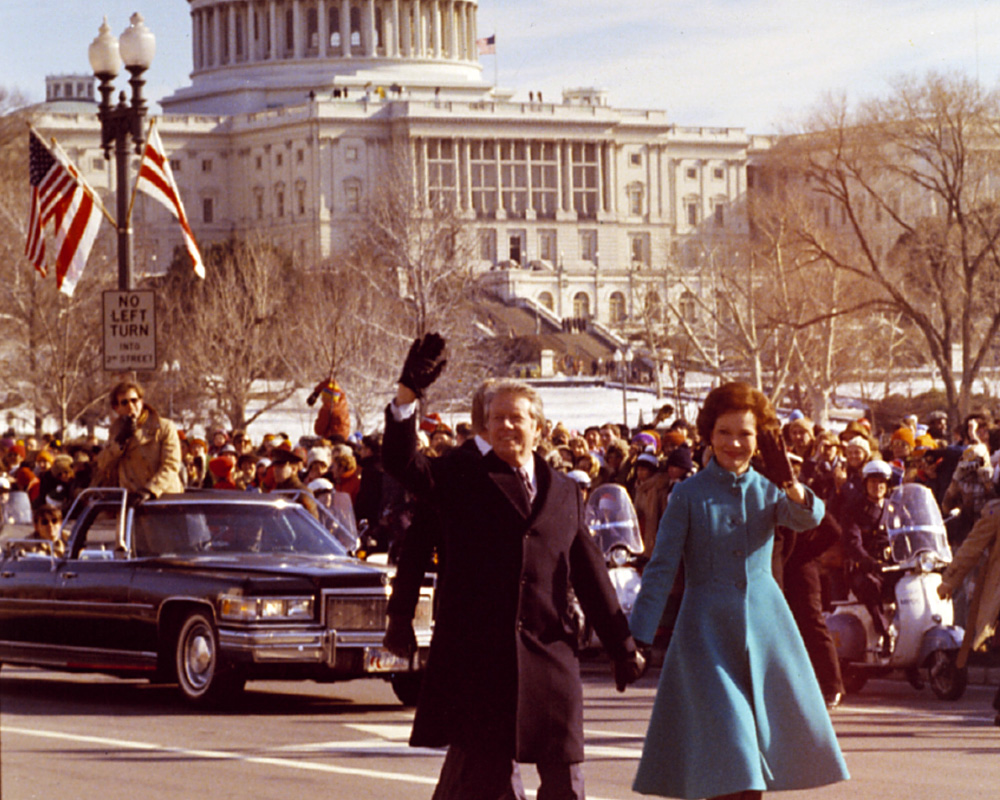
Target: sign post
x,y
129,331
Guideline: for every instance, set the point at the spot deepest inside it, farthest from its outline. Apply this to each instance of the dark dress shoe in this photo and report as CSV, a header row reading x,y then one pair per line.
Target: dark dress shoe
x,y
833,700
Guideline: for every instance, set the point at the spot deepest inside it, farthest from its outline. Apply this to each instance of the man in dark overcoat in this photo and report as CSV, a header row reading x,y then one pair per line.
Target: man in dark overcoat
x,y
502,683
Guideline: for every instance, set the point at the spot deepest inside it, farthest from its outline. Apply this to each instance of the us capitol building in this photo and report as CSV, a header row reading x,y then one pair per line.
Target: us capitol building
x,y
582,210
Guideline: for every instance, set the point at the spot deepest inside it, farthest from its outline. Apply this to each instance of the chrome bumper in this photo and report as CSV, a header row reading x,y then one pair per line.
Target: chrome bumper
x,y
300,645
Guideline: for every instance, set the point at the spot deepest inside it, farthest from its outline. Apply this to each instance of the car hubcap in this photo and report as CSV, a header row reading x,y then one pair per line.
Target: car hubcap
x,y
199,659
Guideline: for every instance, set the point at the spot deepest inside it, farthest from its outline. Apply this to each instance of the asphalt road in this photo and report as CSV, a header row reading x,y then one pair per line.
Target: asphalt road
x,y
77,737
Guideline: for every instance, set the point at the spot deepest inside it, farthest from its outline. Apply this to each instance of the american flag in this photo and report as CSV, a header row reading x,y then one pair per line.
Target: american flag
x,y
157,180
487,46
59,193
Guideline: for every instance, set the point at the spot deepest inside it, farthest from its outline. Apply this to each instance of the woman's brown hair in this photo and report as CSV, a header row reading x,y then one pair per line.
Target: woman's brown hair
x,y
735,396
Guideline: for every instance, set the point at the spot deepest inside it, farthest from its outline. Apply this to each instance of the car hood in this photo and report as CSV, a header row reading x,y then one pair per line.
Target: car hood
x,y
326,570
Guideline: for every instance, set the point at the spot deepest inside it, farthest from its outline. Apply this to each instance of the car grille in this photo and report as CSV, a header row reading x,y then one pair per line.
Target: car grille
x,y
369,613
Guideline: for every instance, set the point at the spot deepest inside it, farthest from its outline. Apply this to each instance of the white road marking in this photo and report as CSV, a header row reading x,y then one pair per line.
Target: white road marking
x,y
288,763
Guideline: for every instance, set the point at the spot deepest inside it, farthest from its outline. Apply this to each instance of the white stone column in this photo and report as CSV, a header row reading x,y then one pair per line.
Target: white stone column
x,y
418,30
231,33
196,39
368,24
473,34
467,189
297,32
392,31
602,172
345,28
501,208
322,29
406,31
568,165
272,21
451,32
217,36
251,31
529,211
436,28
459,30
613,178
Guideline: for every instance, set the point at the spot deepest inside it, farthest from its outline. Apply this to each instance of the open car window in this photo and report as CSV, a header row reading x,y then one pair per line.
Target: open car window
x,y
188,529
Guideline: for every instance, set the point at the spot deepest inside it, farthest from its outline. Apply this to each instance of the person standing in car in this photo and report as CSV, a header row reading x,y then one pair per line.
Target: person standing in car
x,y
143,453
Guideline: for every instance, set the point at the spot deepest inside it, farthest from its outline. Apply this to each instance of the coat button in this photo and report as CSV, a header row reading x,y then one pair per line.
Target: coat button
x,y
738,553
520,625
741,585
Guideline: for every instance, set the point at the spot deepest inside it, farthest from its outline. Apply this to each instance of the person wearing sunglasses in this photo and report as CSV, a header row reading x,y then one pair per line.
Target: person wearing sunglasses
x,y
143,452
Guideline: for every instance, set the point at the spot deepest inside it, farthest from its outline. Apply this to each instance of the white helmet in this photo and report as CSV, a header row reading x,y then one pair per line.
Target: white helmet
x,y
876,468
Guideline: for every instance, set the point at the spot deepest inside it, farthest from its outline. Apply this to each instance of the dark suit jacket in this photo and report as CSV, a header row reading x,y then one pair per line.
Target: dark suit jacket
x,y
503,670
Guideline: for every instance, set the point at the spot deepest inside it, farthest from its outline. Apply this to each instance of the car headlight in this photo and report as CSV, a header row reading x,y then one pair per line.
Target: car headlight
x,y
252,609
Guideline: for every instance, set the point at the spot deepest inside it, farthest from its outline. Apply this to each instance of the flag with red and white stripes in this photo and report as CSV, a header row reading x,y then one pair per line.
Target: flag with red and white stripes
x,y
157,180
59,193
487,46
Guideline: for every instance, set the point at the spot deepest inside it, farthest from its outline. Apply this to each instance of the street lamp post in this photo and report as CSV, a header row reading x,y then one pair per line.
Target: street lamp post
x,y
135,49
624,361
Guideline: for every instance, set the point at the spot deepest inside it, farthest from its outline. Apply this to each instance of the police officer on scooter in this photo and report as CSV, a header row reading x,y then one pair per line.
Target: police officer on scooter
x,y
866,543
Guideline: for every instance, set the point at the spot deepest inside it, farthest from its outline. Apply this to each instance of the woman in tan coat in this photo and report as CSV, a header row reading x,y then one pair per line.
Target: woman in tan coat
x,y
985,604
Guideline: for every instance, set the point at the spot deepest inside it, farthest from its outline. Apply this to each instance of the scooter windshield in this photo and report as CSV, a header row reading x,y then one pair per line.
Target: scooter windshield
x,y
913,521
612,519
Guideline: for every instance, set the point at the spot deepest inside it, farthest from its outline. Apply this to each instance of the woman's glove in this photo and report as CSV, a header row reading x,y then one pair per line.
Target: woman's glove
x,y
776,466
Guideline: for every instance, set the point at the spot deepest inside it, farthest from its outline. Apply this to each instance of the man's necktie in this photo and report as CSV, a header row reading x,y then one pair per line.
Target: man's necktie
x,y
529,488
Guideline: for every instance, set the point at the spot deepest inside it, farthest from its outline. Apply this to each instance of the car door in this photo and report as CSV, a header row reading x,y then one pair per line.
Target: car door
x,y
26,580
90,587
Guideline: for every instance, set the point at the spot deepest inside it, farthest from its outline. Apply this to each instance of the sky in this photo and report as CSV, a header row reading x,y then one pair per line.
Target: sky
x,y
754,64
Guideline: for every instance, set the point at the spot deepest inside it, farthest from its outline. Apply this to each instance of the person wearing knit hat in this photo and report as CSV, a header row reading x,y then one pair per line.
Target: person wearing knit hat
x,y
800,436
221,468
901,446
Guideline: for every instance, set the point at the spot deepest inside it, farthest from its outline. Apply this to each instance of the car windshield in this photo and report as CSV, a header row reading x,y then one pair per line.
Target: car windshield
x,y
184,529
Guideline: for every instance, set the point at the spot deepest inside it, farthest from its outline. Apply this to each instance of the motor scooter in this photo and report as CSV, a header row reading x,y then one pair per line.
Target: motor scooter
x,y
614,525
922,635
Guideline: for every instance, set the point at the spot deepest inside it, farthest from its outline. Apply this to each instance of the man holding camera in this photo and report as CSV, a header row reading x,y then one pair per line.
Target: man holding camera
x,y
143,453
502,684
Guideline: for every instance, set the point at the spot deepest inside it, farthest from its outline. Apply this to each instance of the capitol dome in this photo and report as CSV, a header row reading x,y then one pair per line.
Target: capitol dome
x,y
250,55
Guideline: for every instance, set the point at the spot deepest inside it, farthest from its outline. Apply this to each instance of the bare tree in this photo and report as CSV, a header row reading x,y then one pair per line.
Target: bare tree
x,y
51,343
233,330
905,207
414,250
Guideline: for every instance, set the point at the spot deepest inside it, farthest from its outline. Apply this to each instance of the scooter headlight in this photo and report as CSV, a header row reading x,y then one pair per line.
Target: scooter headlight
x,y
618,557
927,562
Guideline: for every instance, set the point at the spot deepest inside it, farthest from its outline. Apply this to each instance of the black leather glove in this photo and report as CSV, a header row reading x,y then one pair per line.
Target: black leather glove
x,y
628,670
136,499
776,466
423,363
126,432
399,639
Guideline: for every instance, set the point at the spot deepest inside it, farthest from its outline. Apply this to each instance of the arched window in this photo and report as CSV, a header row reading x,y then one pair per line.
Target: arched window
x,y
616,308
545,299
581,305
689,307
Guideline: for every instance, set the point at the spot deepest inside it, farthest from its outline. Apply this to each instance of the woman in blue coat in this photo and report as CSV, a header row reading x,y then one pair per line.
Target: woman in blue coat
x,y
738,709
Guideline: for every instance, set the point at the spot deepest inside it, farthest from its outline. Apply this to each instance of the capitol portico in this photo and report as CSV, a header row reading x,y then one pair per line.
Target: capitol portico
x,y
297,107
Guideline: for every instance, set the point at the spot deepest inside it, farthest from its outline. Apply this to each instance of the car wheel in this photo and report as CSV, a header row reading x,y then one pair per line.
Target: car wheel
x,y
947,681
200,674
406,686
854,679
